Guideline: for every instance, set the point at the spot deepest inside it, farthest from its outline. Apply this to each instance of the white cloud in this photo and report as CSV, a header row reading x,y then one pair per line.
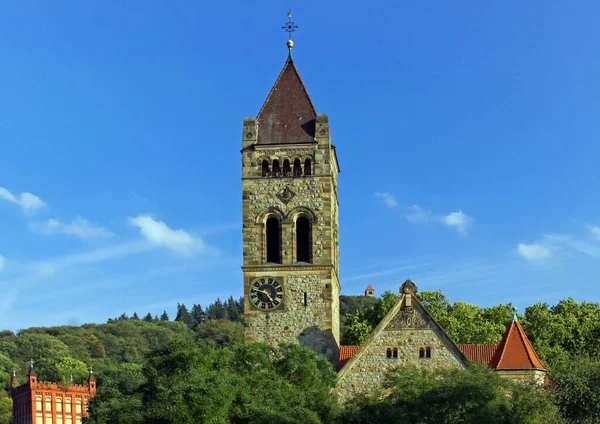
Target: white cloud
x,y
459,220
80,228
47,271
417,215
2,262
595,229
533,252
388,198
30,203
157,232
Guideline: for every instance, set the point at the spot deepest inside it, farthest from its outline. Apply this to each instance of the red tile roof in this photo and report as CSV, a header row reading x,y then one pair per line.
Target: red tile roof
x,y
480,353
288,115
515,351
370,288
346,353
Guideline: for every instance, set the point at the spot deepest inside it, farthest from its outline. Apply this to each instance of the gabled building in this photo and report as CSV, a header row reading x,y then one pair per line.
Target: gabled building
x,y
40,402
409,336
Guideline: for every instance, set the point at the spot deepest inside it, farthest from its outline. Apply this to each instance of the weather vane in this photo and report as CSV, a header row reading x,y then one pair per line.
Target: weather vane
x,y
290,26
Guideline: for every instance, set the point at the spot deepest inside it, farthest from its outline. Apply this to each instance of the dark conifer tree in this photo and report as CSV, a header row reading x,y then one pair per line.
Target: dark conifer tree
x,y
164,316
232,311
183,315
148,318
135,316
198,314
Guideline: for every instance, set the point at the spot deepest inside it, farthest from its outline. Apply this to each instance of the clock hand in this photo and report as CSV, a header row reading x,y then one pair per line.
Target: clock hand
x,y
266,293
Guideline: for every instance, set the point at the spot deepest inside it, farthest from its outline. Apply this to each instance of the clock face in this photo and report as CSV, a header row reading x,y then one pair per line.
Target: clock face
x,y
266,293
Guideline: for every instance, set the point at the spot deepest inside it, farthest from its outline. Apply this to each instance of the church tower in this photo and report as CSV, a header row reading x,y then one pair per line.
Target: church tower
x,y
290,221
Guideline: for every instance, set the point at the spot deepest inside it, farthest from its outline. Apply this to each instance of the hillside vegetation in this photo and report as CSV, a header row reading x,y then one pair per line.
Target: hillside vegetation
x,y
196,368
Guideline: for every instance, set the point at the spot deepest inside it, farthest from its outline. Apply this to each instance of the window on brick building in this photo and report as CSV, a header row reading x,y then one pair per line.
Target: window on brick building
x,y
307,167
303,240
265,168
297,168
273,236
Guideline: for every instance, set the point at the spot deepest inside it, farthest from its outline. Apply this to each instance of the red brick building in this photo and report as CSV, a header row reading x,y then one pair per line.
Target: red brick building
x,y
39,402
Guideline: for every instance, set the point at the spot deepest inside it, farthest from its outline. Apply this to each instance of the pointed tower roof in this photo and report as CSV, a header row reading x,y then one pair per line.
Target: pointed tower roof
x,y
288,115
515,351
31,370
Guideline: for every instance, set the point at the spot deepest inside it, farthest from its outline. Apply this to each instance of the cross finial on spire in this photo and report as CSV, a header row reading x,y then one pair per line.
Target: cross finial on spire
x,y
289,26
514,309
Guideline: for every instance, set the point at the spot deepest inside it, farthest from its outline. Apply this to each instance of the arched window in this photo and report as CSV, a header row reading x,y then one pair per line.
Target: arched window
x,y
421,353
307,170
276,170
389,353
303,240
265,168
297,168
287,171
395,352
428,352
273,241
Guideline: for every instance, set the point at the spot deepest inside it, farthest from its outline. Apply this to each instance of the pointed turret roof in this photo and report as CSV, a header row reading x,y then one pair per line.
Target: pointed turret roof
x,y
515,351
288,115
370,288
31,370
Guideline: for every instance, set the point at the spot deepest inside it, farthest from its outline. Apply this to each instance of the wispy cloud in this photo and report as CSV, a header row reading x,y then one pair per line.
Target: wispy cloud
x,y
533,252
159,233
416,214
595,229
388,271
30,203
387,198
459,220
80,228
2,262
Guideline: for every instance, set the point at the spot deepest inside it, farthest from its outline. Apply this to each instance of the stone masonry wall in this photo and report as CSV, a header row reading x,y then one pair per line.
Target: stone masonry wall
x,y
369,371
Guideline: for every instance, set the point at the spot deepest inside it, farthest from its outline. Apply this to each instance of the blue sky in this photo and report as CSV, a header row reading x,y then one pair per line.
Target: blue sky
x,y
467,134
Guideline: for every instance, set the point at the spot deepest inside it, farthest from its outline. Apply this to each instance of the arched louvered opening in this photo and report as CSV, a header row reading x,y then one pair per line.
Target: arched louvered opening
x,y
273,237
287,171
297,168
307,168
421,353
276,169
303,240
265,168
388,353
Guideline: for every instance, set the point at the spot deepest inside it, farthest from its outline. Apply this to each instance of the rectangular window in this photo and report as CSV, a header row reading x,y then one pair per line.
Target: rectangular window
x,y
305,299
68,405
78,406
59,404
48,404
38,403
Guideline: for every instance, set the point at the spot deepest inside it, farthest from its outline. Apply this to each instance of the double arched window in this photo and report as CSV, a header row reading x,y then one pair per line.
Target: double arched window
x,y
425,352
391,353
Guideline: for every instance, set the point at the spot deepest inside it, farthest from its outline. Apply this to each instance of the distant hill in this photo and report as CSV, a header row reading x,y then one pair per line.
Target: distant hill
x,y
351,304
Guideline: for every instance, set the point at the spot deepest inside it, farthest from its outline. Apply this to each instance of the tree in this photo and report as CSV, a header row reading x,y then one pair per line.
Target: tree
x,y
164,316
148,318
183,315
216,310
5,408
135,316
231,310
222,332
198,314
474,395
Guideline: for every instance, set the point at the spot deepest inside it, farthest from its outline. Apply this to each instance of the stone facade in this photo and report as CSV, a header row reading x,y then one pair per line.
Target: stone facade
x,y
309,312
407,336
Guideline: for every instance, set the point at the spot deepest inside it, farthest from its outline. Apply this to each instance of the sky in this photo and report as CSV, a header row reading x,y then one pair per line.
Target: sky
x,y
467,134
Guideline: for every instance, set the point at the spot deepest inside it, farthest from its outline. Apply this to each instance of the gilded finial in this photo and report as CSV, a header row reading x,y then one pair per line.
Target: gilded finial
x,y
91,370
514,309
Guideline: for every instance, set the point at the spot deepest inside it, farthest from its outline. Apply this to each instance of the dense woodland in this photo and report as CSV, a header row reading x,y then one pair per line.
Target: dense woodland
x,y
194,368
